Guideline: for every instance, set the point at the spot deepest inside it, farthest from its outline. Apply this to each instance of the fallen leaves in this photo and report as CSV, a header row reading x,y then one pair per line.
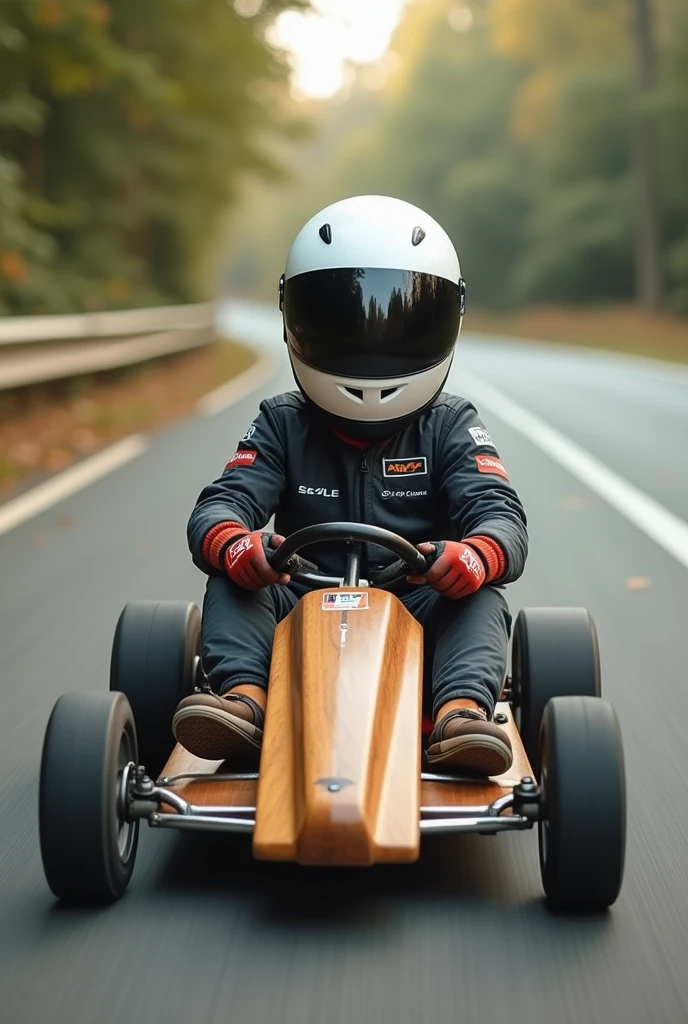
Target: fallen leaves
x,y
46,429
574,502
638,583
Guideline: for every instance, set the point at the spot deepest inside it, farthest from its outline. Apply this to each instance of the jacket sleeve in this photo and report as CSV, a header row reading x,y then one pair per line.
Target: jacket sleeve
x,y
482,502
245,495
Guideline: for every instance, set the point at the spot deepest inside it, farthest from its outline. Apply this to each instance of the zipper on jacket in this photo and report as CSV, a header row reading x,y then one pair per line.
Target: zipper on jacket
x,y
364,469
362,510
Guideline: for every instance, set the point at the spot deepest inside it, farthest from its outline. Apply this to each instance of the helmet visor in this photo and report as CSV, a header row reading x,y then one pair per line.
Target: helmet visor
x,y
371,322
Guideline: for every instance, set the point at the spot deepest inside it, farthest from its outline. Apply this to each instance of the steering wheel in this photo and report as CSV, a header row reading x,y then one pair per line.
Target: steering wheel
x,y
286,559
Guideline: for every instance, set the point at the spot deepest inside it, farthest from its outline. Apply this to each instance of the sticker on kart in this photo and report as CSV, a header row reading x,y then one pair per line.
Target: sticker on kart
x,y
340,602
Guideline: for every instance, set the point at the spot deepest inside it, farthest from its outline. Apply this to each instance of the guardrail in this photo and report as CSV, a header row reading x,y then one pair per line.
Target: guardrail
x,y
43,348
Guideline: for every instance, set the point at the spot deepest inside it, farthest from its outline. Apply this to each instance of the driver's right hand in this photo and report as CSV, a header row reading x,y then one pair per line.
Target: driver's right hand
x,y
246,561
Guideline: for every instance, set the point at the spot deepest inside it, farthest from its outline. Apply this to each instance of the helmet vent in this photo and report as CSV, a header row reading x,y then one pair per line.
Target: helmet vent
x,y
355,393
326,234
387,393
418,235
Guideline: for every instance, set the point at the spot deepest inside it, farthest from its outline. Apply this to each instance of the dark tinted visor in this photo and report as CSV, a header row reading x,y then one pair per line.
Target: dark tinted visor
x,y
371,323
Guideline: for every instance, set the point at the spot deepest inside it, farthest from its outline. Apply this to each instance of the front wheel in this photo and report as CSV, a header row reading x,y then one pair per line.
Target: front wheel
x,y
555,654
582,827
155,663
88,848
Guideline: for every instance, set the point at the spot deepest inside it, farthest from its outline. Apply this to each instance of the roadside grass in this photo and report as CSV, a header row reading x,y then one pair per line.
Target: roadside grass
x,y
614,328
45,428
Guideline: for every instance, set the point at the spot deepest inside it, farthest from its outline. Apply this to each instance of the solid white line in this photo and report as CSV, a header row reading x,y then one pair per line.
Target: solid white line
x,y
655,521
238,387
62,486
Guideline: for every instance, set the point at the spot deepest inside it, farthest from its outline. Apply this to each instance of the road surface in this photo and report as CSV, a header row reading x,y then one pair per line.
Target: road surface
x,y
204,934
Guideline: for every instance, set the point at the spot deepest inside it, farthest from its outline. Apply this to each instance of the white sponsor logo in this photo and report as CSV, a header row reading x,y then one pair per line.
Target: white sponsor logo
x,y
471,563
249,433
481,436
322,491
404,494
238,548
338,601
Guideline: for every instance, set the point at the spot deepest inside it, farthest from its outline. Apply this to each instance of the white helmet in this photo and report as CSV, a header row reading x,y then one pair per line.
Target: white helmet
x,y
372,299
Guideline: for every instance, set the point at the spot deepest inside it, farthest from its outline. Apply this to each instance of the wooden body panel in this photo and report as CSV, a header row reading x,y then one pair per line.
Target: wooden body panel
x,y
340,766
452,794
207,792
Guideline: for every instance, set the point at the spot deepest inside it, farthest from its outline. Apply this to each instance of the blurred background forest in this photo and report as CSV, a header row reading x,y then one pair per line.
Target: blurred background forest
x,y
548,137
125,128
153,151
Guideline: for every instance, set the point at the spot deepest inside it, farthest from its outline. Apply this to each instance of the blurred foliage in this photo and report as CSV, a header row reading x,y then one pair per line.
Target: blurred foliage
x,y
510,122
125,129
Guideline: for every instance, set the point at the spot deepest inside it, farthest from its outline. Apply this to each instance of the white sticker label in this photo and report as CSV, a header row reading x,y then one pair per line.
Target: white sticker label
x,y
481,436
338,601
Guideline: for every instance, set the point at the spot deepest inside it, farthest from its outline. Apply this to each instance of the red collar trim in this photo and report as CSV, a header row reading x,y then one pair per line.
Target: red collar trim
x,y
362,445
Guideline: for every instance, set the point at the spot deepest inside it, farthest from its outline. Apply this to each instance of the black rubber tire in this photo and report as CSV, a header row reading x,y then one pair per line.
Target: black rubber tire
x,y
89,739
554,654
154,663
582,831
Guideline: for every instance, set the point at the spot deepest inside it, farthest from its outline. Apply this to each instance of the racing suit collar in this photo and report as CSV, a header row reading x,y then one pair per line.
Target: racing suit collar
x,y
362,445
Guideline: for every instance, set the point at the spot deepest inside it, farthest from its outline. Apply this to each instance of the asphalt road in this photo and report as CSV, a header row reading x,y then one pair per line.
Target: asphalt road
x,y
203,933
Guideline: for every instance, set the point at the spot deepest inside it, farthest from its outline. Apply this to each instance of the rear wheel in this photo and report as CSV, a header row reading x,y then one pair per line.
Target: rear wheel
x,y
582,828
87,846
156,663
555,654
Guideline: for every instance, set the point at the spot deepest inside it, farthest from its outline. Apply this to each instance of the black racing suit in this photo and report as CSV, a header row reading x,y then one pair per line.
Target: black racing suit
x,y
438,479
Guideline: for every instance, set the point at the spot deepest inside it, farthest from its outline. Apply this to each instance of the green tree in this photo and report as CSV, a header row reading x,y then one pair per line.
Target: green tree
x,y
124,131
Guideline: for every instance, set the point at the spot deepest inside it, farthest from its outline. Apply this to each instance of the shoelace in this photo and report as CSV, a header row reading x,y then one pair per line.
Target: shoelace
x,y
470,713
476,716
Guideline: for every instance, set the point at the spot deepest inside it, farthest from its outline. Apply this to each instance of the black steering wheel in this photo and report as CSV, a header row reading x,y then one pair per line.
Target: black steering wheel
x,y
286,558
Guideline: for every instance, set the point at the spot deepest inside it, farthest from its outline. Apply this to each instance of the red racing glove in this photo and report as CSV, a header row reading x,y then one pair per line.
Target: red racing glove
x,y
246,563
243,555
456,571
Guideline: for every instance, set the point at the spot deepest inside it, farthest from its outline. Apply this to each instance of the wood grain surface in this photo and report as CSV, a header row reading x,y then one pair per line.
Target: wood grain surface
x,y
340,768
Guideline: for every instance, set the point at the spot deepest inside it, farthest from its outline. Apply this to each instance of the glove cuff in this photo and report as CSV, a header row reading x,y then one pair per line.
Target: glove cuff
x,y
217,539
491,554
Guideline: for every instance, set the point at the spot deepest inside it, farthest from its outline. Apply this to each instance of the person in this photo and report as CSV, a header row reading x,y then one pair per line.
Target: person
x,y
372,301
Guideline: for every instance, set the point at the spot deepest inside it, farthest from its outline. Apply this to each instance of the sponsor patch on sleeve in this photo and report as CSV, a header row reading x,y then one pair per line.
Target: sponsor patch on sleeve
x,y
490,464
242,458
481,436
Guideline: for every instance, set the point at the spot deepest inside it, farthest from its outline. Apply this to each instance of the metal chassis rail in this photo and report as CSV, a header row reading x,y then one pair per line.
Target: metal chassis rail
x,y
483,819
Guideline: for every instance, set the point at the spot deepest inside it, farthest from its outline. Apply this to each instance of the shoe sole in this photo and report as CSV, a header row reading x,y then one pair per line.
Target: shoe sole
x,y
484,755
215,735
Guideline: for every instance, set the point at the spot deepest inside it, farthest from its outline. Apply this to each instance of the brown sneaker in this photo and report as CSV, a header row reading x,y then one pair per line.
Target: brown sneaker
x,y
465,739
218,728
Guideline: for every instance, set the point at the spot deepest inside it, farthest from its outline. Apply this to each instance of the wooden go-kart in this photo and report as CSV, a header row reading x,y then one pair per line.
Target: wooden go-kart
x,y
340,780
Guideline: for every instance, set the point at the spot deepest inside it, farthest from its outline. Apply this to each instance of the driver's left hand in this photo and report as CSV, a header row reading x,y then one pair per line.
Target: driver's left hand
x,y
456,569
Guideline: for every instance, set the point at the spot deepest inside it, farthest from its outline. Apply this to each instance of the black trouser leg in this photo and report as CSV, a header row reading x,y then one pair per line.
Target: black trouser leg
x,y
238,629
465,643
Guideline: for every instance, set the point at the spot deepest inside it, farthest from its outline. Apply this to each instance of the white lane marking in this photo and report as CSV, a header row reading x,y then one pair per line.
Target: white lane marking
x,y
238,387
55,490
655,521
